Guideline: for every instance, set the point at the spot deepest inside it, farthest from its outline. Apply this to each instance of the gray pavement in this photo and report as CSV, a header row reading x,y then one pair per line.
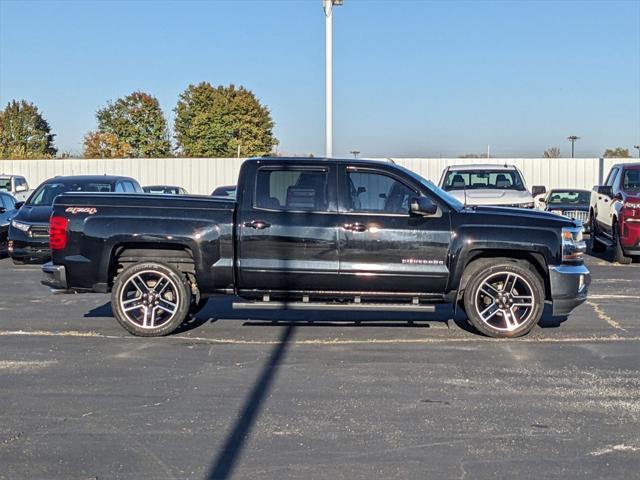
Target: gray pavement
x,y
315,395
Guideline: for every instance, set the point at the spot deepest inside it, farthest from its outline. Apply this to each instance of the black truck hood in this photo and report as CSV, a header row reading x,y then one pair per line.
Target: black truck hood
x,y
34,214
517,217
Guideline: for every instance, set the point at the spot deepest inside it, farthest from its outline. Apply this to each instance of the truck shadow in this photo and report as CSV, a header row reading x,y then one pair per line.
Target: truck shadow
x,y
221,309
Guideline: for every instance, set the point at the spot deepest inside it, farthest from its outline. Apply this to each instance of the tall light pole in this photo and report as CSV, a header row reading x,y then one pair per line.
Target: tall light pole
x,y
328,5
637,147
573,139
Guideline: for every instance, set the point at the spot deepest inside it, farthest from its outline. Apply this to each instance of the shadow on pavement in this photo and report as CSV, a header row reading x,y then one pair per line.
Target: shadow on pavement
x,y
231,449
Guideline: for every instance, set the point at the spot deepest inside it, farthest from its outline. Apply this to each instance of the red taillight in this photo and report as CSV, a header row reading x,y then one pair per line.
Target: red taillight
x,y
58,232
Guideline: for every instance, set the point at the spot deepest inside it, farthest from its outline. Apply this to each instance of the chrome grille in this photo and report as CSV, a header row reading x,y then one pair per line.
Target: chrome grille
x,y
39,231
577,215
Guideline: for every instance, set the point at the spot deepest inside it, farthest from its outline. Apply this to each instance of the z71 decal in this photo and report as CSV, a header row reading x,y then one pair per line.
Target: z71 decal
x,y
76,210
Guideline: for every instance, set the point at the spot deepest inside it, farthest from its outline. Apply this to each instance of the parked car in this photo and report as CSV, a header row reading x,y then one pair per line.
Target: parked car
x,y
571,203
16,185
501,185
7,212
615,213
225,191
165,190
29,229
324,234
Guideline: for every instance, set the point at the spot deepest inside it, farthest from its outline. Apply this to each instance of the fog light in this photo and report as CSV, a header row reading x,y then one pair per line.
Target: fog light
x,y
10,246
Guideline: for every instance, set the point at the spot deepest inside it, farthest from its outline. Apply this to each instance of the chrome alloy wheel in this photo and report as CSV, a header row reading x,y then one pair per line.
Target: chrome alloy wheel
x,y
504,301
149,299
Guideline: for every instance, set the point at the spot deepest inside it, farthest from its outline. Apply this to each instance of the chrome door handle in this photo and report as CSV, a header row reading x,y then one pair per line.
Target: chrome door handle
x,y
257,224
355,227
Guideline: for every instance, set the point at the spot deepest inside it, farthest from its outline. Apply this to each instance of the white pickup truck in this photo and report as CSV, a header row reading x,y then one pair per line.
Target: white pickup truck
x,y
485,184
16,185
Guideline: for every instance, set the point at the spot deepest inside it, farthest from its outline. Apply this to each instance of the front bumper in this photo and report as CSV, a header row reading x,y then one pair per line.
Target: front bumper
x,y
29,250
569,286
54,276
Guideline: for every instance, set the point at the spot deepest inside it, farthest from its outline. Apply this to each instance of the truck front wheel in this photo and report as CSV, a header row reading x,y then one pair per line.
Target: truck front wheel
x,y
150,299
504,300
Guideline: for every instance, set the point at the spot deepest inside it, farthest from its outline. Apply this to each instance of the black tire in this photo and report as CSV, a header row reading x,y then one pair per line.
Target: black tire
x,y
170,303
506,318
618,252
596,245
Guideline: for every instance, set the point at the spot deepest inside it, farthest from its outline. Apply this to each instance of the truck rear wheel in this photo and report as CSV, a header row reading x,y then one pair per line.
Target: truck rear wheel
x,y
618,252
504,300
150,299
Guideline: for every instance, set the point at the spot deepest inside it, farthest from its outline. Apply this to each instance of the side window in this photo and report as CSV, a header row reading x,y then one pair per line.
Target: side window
x,y
128,187
9,202
119,187
377,193
611,177
4,202
292,189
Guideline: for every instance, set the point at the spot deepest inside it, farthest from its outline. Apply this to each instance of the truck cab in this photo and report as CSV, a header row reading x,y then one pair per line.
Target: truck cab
x,y
614,213
16,185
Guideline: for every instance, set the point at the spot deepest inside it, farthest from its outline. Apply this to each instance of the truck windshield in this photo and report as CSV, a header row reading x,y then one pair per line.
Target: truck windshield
x,y
570,196
631,180
45,195
483,179
5,184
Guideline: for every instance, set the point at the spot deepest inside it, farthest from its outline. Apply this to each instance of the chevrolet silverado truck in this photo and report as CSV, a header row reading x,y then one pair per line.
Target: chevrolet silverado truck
x,y
320,234
614,213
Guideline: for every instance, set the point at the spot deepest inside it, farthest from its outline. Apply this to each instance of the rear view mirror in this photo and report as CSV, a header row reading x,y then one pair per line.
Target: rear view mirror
x,y
423,206
605,190
538,190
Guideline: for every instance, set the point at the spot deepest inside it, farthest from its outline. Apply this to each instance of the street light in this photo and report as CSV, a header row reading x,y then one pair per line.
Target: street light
x,y
637,147
328,5
572,139
355,153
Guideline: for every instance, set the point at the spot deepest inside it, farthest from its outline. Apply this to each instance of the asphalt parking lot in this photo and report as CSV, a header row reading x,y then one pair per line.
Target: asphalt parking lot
x,y
317,395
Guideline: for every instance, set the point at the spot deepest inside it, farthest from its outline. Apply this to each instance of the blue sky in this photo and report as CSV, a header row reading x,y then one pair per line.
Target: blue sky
x,y
412,78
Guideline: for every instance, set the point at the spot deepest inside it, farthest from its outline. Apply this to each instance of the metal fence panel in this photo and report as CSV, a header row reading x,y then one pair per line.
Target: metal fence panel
x,y
202,175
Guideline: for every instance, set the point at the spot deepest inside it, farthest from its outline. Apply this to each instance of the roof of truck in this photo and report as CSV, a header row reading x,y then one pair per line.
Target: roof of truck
x,y
482,166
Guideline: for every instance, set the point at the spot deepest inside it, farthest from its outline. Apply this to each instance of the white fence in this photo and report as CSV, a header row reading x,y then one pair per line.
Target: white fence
x,y
202,175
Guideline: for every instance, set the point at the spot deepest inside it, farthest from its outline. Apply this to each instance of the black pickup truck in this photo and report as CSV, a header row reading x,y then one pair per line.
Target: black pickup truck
x,y
317,234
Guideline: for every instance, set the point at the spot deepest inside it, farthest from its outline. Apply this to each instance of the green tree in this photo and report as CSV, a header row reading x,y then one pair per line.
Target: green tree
x,y
222,122
138,121
105,145
24,133
553,152
617,152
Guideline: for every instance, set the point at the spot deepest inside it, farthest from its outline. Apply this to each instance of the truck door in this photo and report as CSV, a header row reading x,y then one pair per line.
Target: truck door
x,y
604,205
382,247
287,228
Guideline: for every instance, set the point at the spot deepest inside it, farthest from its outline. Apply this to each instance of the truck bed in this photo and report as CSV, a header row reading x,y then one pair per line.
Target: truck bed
x,y
198,229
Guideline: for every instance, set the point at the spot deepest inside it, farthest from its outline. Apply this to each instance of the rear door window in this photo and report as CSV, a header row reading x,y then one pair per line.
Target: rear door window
x,y
292,189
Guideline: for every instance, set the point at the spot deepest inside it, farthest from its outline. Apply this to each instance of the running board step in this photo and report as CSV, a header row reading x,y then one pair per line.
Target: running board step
x,y
351,306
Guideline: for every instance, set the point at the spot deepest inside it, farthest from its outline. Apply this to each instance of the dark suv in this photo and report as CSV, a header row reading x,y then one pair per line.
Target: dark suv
x,y
29,230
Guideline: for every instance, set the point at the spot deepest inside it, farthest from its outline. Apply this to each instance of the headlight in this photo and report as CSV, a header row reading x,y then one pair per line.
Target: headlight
x,y
23,227
557,212
573,245
526,205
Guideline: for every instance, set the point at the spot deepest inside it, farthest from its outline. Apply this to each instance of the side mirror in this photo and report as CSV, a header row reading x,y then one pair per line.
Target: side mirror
x,y
2,209
361,190
538,190
422,206
19,205
21,188
542,200
604,190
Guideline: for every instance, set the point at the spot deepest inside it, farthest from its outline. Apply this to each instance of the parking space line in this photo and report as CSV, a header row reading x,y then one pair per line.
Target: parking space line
x,y
334,341
612,297
603,316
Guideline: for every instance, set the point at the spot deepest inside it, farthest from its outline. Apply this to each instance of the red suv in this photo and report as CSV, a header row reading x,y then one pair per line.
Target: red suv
x,y
614,213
